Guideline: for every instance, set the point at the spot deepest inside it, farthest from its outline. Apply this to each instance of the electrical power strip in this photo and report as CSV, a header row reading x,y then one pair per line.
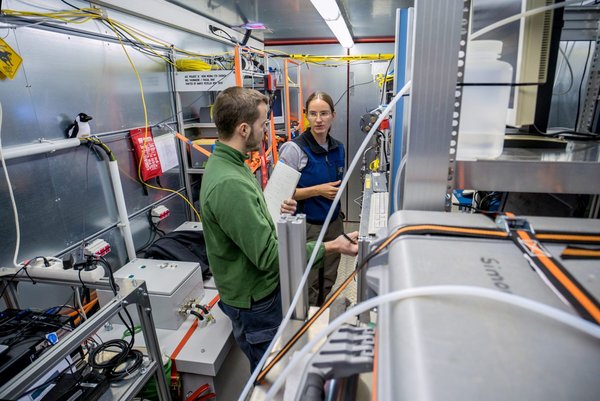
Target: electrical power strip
x,y
57,273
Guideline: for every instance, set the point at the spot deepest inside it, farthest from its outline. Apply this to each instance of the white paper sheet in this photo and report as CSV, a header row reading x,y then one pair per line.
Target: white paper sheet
x,y
281,186
167,151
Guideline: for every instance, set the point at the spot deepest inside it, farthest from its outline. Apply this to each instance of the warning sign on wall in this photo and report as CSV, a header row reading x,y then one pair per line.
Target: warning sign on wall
x,y
9,60
199,81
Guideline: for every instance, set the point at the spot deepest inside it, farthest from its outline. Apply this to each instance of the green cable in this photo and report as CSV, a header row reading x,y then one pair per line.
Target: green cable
x,y
136,329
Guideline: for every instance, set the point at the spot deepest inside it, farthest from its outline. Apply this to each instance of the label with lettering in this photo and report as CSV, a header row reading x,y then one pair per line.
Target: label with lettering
x,y
202,81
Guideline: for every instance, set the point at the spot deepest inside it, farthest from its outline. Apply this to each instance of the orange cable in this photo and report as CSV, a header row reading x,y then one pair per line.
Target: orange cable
x,y
589,306
374,381
432,228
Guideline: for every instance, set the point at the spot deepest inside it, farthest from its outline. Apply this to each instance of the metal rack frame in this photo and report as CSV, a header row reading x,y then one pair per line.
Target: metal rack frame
x,y
434,104
431,172
130,292
240,75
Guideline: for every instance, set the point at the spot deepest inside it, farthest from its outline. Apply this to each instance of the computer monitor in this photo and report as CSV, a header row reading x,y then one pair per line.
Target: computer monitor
x,y
526,45
277,107
531,64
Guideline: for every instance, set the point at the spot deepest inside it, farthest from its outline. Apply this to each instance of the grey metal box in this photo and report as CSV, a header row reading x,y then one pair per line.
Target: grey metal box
x,y
170,284
466,348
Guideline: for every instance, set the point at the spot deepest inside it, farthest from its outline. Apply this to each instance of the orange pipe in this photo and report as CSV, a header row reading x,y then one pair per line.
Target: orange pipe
x,y
86,308
300,99
374,382
273,141
237,66
249,50
287,100
192,144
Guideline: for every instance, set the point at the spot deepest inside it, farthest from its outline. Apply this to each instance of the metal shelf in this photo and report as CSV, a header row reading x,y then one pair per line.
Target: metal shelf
x,y
130,291
575,170
253,74
129,388
428,173
199,125
192,170
580,23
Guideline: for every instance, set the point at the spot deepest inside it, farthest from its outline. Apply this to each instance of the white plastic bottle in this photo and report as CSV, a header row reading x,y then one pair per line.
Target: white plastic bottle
x,y
484,108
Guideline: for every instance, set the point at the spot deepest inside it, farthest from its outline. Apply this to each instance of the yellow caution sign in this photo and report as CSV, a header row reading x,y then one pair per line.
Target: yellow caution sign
x,y
10,61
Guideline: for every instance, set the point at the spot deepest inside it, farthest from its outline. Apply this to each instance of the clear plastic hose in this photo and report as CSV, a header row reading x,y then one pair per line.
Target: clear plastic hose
x,y
443,290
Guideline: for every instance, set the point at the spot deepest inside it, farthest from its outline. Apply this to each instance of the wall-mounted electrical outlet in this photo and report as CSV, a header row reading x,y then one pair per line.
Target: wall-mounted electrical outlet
x,y
159,213
97,247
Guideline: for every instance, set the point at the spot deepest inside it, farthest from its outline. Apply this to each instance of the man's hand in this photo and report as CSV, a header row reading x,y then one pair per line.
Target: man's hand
x,y
288,206
345,243
329,189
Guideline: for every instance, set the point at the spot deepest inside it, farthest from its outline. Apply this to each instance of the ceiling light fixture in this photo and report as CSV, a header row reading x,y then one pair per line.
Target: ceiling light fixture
x,y
332,15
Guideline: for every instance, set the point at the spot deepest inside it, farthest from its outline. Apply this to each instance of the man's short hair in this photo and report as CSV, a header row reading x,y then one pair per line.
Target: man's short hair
x,y
235,106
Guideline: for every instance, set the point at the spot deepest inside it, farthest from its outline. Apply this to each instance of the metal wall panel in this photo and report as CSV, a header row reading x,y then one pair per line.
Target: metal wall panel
x,y
66,196
56,295
363,97
567,90
68,75
332,80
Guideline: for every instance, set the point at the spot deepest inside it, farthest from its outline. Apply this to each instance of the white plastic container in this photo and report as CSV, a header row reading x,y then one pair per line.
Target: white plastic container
x,y
484,108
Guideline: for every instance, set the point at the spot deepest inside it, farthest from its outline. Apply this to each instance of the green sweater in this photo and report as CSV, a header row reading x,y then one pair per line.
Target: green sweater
x,y
241,242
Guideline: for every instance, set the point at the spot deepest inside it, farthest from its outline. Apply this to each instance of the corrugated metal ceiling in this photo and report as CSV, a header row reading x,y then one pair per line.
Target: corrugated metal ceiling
x,y
298,19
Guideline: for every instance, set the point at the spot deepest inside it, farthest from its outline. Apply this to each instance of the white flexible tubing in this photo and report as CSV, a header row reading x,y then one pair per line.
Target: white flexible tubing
x,y
441,290
313,256
79,303
396,187
12,199
517,17
121,208
47,146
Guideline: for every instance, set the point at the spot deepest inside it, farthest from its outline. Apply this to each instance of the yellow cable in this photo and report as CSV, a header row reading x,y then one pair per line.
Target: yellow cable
x,y
74,17
139,79
86,14
146,45
165,44
381,80
188,64
362,57
83,15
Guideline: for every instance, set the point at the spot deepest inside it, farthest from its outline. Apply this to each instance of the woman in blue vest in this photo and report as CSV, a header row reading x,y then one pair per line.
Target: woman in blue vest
x,y
321,160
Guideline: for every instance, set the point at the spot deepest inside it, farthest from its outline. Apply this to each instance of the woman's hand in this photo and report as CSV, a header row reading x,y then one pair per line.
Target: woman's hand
x,y
329,189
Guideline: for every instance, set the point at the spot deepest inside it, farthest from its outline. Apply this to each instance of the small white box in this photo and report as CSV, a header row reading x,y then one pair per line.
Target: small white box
x,y
190,226
170,284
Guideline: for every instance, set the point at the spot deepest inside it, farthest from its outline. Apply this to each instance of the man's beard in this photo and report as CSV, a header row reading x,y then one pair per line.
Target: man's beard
x,y
251,143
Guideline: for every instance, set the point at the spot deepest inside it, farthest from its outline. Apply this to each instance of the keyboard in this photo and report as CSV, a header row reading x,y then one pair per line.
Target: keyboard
x,y
378,212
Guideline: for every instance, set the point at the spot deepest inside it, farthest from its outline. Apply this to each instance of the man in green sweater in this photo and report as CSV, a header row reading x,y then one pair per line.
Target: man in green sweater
x,y
241,241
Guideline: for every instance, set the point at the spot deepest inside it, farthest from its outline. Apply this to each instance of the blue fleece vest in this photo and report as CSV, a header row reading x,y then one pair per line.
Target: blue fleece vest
x,y
323,166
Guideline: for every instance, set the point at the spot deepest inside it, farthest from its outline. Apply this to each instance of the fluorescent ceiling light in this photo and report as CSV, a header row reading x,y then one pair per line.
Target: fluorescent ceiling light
x,y
330,12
